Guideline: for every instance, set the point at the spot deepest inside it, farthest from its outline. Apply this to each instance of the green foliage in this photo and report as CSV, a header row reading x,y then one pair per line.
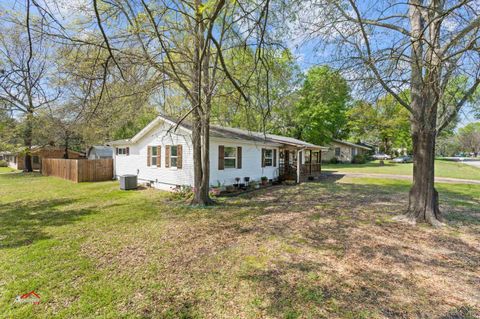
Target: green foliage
x,y
469,137
269,109
9,132
334,160
133,125
321,112
359,159
385,123
184,192
3,163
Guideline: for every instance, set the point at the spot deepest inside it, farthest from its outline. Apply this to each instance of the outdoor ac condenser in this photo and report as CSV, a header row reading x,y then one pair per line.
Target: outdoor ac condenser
x,y
128,182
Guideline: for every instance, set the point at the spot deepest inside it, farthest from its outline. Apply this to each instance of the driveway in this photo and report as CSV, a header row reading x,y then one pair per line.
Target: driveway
x,y
472,163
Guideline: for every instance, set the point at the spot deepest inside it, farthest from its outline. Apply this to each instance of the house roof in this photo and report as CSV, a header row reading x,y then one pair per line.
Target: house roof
x,y
222,132
351,144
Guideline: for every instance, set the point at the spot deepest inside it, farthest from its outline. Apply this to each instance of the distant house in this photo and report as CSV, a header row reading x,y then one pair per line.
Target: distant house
x,y
344,151
16,160
163,157
99,152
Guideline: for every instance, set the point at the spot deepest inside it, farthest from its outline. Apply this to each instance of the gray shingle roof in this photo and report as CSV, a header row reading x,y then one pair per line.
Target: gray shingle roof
x,y
235,133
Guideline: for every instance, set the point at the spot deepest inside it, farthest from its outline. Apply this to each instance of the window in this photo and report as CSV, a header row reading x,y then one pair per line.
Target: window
x,y
121,151
173,155
155,156
307,156
268,158
337,151
230,157
35,160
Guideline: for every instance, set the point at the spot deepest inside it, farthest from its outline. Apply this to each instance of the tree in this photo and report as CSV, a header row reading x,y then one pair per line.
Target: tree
x,y
25,85
8,132
385,123
185,44
419,45
469,137
272,104
322,108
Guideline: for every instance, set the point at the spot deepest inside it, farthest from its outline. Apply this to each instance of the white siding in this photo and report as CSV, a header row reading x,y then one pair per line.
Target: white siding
x,y
12,161
168,178
160,177
346,152
251,162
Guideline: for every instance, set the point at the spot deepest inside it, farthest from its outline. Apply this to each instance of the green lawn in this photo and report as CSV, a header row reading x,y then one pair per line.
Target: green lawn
x,y
6,170
442,169
327,249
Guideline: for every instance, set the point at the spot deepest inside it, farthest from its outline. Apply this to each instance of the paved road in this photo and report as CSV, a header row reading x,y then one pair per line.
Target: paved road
x,y
472,163
406,177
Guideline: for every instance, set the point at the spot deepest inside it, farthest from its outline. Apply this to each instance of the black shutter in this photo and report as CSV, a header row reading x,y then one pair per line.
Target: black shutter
x,y
221,157
239,157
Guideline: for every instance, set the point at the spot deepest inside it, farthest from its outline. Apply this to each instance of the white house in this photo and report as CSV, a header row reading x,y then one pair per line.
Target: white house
x,y
344,151
161,155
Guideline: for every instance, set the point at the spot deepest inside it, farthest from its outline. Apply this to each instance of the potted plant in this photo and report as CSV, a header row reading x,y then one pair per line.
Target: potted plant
x,y
264,180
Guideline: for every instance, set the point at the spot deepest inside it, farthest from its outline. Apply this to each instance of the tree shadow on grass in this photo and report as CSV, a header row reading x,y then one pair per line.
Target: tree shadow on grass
x,y
22,223
351,224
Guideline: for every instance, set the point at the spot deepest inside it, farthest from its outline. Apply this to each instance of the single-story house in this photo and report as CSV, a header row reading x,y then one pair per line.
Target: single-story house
x,y
344,151
162,157
99,152
16,160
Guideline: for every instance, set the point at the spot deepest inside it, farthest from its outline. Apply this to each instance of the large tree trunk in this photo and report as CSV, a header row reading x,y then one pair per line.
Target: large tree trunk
x,y
201,158
28,142
424,94
201,121
423,197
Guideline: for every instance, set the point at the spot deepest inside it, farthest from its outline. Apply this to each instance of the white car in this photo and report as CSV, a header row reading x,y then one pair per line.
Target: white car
x,y
382,157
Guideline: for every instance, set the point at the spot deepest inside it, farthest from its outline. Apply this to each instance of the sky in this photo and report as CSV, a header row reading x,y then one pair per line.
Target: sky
x,y
306,51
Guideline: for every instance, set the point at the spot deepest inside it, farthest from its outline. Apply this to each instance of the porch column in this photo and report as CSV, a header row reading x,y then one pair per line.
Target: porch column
x,y
298,165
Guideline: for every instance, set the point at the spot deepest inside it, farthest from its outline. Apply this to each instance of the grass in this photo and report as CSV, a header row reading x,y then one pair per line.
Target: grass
x,y
6,170
317,250
442,169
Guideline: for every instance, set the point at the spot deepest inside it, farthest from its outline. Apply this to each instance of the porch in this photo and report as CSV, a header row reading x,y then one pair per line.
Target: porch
x,y
299,164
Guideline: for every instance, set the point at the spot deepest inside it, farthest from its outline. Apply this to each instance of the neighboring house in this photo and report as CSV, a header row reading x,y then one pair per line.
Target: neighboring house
x,y
344,151
99,152
162,156
16,160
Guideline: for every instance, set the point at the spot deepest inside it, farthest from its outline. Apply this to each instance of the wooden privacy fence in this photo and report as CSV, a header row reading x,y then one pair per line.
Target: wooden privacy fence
x,y
79,170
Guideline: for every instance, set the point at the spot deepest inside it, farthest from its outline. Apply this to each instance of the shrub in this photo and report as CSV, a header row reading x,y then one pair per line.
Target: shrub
x,y
184,192
334,160
359,159
3,163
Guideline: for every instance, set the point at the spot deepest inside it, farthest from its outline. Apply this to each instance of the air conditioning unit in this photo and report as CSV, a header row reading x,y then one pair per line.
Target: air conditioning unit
x,y
128,182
